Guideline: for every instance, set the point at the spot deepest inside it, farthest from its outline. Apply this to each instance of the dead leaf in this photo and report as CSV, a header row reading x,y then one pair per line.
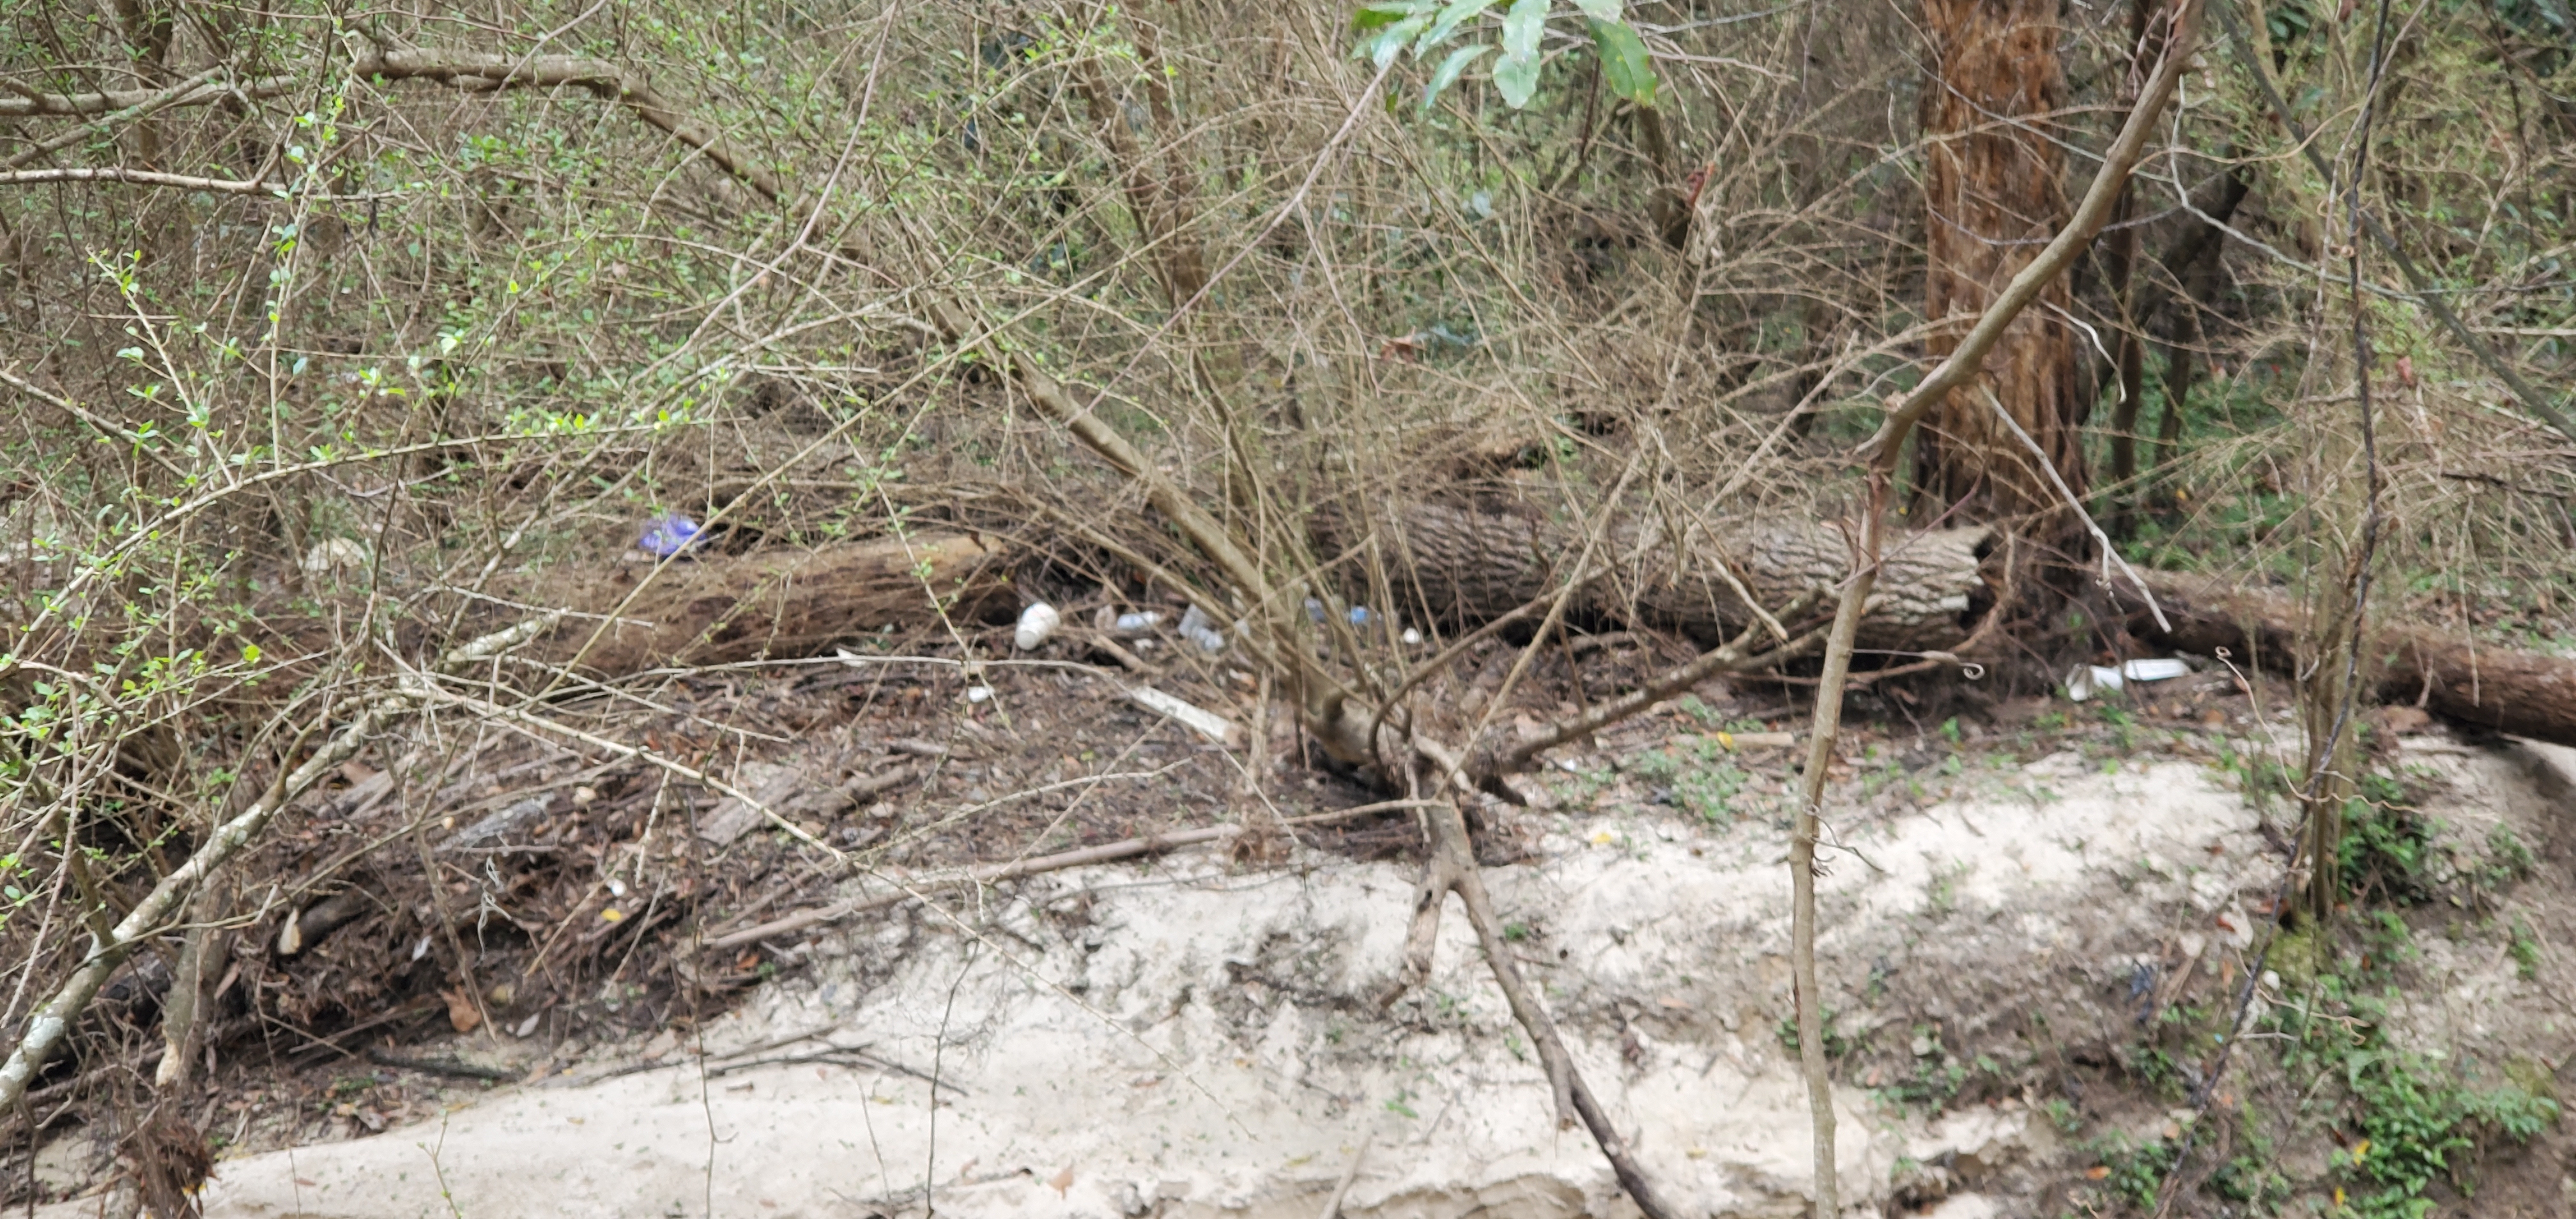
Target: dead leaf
x,y
1062,1181
461,1012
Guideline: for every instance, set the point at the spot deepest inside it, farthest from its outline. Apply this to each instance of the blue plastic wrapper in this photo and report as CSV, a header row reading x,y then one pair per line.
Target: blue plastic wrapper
x,y
1359,615
669,534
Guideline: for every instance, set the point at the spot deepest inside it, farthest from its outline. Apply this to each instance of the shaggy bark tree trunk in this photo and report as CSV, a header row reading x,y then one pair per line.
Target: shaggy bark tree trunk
x,y
1992,200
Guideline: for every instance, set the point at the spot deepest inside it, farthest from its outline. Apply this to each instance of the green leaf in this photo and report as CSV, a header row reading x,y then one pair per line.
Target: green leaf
x,y
1599,10
1521,30
1625,66
1384,13
1450,69
1381,50
1458,13
1516,80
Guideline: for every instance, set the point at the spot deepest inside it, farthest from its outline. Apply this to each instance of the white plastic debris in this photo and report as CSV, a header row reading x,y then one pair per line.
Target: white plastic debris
x,y
2164,669
1037,622
1206,723
1198,628
1412,638
977,694
2084,681
1139,622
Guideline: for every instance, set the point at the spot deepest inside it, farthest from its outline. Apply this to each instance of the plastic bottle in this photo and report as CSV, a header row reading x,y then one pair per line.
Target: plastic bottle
x,y
1037,623
1198,628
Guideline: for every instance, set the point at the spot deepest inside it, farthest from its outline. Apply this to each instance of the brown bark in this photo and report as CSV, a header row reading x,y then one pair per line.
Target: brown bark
x,y
2194,262
2528,694
1992,200
771,604
1453,565
1473,566
1461,565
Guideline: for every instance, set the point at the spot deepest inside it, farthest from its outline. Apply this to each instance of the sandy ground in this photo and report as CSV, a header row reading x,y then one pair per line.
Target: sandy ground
x,y
1187,1039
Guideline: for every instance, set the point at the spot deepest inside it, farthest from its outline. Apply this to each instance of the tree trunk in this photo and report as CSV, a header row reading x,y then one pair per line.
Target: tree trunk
x,y
2130,364
2194,263
1991,194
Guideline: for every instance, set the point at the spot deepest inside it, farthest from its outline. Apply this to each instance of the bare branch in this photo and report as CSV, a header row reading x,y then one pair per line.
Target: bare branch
x,y
1881,455
143,177
31,104
478,71
52,1024
1733,658
157,102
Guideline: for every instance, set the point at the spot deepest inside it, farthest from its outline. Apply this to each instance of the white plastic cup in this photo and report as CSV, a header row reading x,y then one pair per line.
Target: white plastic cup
x,y
1037,623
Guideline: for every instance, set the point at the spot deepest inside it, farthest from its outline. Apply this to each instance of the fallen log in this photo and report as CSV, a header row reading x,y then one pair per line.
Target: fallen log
x,y
1454,565
770,604
1479,564
2528,694
1467,566
1464,566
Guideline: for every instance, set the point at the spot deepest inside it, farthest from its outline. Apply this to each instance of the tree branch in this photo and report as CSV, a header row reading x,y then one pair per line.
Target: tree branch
x,y
1732,658
1880,454
52,1023
143,177
31,104
2424,296
476,71
158,101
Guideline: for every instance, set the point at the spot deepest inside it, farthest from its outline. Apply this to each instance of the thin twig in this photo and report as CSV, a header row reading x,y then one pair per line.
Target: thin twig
x,y
1880,454
2110,553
